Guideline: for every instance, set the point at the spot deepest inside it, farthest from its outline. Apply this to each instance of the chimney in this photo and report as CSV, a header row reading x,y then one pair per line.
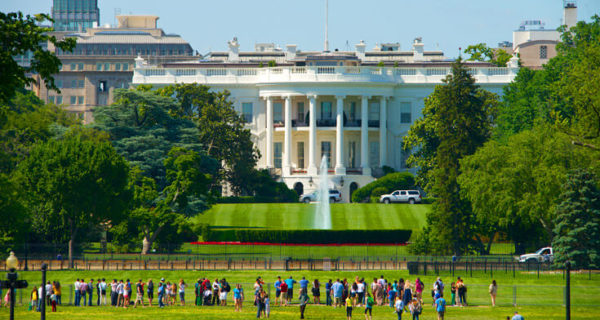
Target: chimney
x,y
418,49
291,51
570,13
360,50
234,50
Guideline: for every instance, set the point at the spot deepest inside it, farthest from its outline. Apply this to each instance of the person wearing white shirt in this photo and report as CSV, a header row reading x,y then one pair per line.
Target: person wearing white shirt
x,y
77,293
103,292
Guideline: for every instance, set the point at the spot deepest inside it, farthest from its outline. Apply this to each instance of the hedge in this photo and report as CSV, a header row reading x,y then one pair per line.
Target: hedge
x,y
247,199
389,182
309,236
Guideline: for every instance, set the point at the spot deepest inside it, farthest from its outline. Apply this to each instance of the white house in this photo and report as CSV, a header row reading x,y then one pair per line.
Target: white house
x,y
353,107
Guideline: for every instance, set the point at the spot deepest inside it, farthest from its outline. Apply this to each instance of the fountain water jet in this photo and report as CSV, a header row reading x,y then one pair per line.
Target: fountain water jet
x,y
323,210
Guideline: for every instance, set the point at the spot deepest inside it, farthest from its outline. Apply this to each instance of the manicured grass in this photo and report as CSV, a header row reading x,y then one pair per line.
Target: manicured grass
x,y
344,216
536,299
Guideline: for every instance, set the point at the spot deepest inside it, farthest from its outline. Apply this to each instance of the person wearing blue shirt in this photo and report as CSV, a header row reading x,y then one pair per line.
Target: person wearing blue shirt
x,y
290,283
517,316
328,286
338,289
304,283
440,306
277,290
161,294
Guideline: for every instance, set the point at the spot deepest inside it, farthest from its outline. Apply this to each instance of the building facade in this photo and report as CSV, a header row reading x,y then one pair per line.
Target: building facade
x,y
75,15
103,61
354,108
535,44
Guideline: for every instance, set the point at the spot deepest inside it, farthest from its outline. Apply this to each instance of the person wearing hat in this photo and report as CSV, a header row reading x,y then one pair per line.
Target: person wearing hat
x,y
440,306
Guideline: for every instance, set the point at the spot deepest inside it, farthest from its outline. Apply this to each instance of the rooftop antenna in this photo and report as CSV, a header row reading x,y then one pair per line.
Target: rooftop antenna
x,y
326,25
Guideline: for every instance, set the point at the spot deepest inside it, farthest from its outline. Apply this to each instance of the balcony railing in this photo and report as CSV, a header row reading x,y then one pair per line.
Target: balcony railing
x,y
326,122
352,123
153,74
373,123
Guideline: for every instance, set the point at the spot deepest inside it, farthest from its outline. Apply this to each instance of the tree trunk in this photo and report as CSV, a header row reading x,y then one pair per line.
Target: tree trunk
x,y
489,244
146,245
71,253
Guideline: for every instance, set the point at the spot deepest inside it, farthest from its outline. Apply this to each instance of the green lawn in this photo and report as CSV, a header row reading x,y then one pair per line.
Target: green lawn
x,y
344,216
536,299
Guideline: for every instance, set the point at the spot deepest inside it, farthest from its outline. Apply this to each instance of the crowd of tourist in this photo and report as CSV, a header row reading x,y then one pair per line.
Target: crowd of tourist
x,y
402,296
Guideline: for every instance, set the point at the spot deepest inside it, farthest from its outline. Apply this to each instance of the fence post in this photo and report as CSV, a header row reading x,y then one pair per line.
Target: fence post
x,y
514,274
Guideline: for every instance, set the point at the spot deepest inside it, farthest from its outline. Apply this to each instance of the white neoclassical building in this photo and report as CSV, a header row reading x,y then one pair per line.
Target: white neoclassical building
x,y
353,107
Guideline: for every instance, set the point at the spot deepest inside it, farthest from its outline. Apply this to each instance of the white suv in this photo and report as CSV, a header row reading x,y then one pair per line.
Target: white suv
x,y
334,196
542,255
410,196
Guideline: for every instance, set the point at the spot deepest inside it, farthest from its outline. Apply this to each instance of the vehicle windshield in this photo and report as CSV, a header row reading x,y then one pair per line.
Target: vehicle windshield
x,y
543,251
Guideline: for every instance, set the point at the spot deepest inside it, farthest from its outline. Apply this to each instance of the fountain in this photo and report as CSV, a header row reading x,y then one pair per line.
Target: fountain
x,y
323,211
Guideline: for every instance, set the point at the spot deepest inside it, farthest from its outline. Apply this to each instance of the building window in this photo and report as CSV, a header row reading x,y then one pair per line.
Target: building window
x,y
300,112
374,111
352,111
352,154
80,100
102,86
405,112
80,84
51,99
247,111
277,113
117,66
326,110
106,66
277,157
73,66
300,151
58,100
59,83
374,153
80,66
543,52
326,152
73,99
125,66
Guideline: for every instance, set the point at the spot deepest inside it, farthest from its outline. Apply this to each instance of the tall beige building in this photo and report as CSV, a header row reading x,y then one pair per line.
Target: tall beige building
x,y
103,61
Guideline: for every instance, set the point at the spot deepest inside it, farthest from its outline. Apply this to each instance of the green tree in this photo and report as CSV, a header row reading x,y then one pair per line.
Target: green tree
x,y
21,34
481,52
577,230
73,185
13,213
460,119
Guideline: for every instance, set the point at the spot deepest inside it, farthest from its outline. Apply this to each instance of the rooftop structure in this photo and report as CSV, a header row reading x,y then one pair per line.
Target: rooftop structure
x,y
75,15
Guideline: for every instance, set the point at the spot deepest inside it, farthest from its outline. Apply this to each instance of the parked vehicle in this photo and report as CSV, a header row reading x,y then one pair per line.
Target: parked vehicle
x,y
410,196
543,255
334,196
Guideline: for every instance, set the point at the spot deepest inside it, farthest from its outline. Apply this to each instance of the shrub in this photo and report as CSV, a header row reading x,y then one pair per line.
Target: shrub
x,y
311,236
377,192
391,182
272,63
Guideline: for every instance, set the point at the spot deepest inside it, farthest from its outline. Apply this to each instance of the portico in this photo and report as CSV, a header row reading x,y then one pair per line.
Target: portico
x,y
340,124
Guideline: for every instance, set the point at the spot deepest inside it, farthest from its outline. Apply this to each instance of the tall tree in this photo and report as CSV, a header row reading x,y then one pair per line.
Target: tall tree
x,y
460,122
22,34
75,184
481,52
577,231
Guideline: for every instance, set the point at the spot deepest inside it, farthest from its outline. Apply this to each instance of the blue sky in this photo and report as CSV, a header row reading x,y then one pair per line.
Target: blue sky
x,y
443,24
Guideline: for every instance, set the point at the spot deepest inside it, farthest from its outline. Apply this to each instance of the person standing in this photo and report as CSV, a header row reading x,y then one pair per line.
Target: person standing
x,y
304,285
419,286
34,298
238,297
338,289
98,294
216,288
517,316
182,287
493,291
452,293
161,294
415,308
103,292
260,302
114,293
58,292
316,291
150,291
290,283
83,286
369,307
267,306
360,291
348,308
139,294
76,287
284,293
462,292
120,291
198,293
90,292
328,293
303,303
440,306
399,307
277,290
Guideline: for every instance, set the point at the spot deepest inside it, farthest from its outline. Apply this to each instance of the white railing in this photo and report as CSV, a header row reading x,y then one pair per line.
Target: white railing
x,y
315,74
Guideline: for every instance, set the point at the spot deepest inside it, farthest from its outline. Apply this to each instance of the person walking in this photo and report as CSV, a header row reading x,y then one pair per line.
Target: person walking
x,y
238,297
349,308
419,286
399,307
415,308
493,291
303,303
369,307
150,291
440,306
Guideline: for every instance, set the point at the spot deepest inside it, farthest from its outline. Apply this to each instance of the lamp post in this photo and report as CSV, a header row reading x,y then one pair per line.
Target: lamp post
x,y
12,263
568,290
43,307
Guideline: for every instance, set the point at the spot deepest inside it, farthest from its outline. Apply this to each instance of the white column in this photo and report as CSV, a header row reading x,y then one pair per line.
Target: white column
x,y
364,136
383,132
340,168
287,148
312,136
269,132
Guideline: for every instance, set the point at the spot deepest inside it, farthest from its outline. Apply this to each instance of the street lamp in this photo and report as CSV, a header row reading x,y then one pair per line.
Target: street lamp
x,y
12,263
